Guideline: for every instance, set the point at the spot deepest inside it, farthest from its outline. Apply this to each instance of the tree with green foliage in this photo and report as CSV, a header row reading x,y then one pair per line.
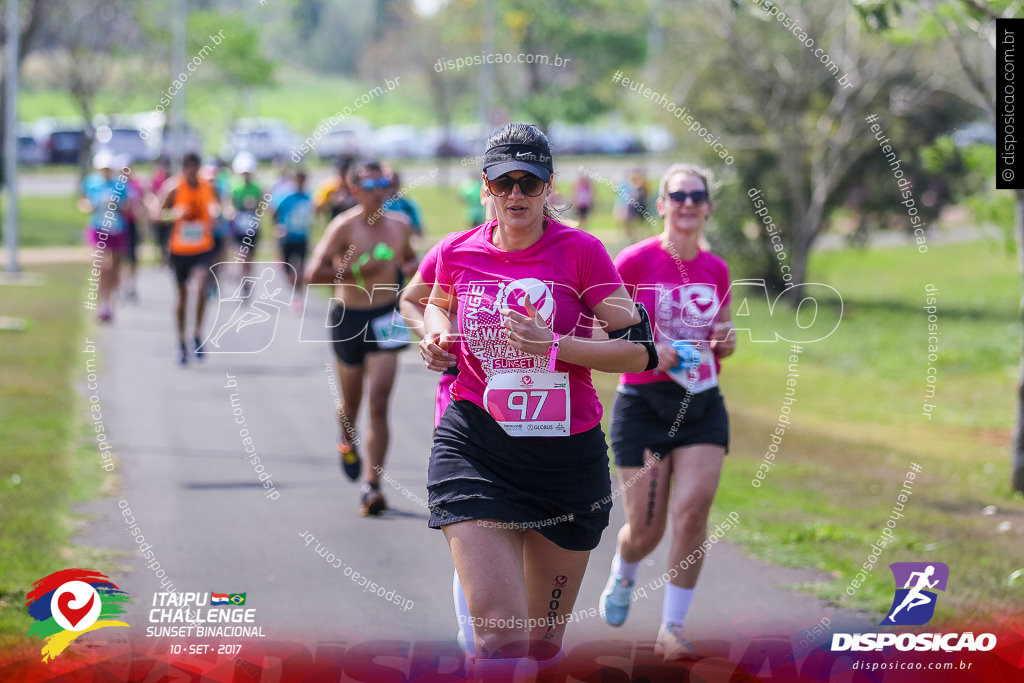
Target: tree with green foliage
x,y
590,38
794,122
91,40
968,28
599,36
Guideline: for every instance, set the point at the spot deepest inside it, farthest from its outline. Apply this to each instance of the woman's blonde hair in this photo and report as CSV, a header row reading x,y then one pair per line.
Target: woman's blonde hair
x,y
685,169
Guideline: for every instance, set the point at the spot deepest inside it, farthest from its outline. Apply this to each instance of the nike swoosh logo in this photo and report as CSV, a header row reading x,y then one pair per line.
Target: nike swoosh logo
x,y
520,155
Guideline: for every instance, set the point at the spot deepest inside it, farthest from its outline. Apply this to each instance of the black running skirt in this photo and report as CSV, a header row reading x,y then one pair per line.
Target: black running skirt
x,y
558,486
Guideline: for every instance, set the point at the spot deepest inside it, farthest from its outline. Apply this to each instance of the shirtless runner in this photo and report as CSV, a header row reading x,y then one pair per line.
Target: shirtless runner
x,y
367,263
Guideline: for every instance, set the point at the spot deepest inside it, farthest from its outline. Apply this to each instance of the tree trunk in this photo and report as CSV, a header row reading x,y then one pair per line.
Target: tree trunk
x,y
1017,452
798,254
36,13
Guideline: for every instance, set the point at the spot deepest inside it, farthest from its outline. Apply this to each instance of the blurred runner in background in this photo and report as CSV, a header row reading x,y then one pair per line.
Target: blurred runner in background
x,y
218,175
192,206
106,194
161,228
134,214
293,219
333,196
366,263
399,201
469,193
246,211
636,203
582,199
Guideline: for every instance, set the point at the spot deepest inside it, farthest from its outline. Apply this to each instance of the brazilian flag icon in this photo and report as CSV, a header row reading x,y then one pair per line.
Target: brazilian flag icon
x,y
237,598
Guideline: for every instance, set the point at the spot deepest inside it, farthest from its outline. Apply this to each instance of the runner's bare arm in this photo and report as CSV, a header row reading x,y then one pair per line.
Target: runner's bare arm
x,y
167,200
167,204
615,312
437,336
408,256
413,303
723,339
138,207
322,269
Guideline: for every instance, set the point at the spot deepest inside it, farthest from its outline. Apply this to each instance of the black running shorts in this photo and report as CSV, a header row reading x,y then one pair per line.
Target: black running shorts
x,y
184,264
354,333
663,416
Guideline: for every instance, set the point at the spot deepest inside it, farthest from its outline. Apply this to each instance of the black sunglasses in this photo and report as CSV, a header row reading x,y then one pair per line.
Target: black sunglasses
x,y
698,196
530,185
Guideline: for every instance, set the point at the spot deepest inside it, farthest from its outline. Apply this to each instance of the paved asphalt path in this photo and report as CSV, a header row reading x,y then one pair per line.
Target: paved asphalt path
x,y
196,498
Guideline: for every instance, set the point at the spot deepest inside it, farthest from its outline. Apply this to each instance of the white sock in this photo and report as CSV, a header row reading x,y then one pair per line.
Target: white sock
x,y
623,569
676,604
506,670
462,614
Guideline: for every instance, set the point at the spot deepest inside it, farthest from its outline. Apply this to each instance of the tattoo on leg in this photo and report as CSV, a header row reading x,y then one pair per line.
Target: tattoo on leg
x,y
558,584
652,498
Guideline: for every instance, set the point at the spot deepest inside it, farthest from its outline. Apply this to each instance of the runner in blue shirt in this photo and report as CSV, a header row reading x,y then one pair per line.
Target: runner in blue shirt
x,y
401,203
293,218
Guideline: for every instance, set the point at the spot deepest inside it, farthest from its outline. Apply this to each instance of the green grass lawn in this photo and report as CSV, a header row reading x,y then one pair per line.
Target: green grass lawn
x,y
49,221
857,426
48,461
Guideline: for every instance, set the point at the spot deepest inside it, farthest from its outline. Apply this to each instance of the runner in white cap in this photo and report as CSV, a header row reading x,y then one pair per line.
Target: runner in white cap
x,y
106,194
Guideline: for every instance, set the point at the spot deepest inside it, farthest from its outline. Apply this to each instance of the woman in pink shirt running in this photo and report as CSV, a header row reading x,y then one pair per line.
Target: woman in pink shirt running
x,y
669,427
518,471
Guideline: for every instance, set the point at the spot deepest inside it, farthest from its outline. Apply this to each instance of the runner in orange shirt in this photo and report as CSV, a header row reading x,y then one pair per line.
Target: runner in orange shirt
x,y
193,206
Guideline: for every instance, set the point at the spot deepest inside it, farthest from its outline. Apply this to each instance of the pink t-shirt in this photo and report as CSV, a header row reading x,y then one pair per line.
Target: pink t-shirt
x,y
683,298
428,266
566,273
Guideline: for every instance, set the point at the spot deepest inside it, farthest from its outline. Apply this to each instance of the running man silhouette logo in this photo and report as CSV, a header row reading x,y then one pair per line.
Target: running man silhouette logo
x,y
246,321
914,603
71,602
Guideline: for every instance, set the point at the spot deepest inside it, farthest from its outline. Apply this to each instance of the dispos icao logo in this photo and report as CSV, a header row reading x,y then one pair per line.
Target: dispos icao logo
x,y
71,602
914,602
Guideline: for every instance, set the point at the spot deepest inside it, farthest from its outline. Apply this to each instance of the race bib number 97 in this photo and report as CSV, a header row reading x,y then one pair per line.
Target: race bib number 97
x,y
529,404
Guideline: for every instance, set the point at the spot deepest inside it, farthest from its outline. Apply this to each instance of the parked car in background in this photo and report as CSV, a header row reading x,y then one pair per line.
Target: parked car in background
x,y
265,139
398,142
62,139
122,140
615,140
657,139
30,151
192,142
442,144
571,139
350,137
